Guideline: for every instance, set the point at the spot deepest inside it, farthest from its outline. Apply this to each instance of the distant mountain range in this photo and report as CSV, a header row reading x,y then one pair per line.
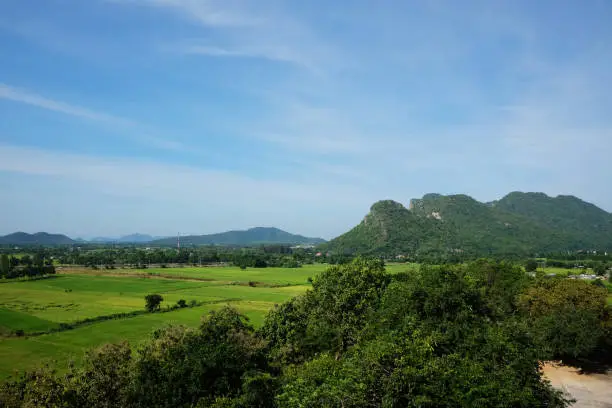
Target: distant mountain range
x,y
253,236
127,239
519,223
40,238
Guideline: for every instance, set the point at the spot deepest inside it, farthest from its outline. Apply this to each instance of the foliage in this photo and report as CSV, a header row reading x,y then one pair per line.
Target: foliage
x,y
153,302
599,269
531,265
567,315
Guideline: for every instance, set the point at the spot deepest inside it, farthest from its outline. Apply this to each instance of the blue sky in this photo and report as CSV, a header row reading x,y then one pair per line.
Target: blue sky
x,y
200,116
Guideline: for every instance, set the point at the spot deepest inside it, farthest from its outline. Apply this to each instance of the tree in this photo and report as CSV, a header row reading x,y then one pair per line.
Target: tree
x,y
105,378
5,265
599,269
183,367
531,265
567,316
181,303
153,301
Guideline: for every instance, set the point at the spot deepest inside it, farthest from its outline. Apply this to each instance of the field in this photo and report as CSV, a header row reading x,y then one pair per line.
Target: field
x,y
77,294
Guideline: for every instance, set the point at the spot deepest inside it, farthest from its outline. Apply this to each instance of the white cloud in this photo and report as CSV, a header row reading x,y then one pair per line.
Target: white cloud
x,y
22,96
272,53
213,13
143,178
214,200
137,131
249,30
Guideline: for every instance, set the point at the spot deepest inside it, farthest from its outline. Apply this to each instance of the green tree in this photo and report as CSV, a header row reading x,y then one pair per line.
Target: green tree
x,y
567,316
105,378
5,265
531,265
599,269
341,299
153,302
183,367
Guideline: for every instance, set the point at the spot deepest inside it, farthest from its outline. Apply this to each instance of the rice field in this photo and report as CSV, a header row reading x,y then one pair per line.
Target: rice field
x,y
76,294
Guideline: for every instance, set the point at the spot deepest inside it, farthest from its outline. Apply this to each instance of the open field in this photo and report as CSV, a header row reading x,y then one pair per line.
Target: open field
x,y
228,274
76,294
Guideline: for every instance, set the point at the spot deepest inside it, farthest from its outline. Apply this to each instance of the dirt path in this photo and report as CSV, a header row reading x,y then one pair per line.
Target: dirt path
x,y
589,390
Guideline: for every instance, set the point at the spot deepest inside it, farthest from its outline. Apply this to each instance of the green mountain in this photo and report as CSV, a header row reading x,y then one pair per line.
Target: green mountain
x,y
40,238
520,223
253,236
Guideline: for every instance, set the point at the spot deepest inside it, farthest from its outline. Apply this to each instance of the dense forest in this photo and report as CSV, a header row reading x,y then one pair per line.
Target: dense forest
x,y
446,336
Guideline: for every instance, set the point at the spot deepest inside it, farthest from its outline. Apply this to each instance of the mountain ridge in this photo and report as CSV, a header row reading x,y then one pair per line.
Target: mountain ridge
x,y
38,238
251,236
518,223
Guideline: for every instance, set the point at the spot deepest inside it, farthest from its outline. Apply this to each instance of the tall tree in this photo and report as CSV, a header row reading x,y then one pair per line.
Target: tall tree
x,y
5,265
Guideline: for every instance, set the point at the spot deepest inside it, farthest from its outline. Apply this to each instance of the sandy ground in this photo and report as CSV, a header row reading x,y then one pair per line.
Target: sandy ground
x,y
589,390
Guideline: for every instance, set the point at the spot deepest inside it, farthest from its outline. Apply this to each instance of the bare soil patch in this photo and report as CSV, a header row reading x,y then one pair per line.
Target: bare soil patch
x,y
588,389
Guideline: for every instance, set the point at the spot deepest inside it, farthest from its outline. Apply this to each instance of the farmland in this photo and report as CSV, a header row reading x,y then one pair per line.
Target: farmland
x,y
73,295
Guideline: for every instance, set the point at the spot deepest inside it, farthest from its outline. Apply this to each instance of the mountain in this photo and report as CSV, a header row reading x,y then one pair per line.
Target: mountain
x,y
586,224
519,223
137,238
40,238
101,240
126,239
253,236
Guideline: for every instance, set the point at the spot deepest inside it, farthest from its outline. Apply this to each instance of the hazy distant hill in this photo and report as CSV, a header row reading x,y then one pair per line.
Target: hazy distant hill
x,y
127,239
517,224
39,238
258,235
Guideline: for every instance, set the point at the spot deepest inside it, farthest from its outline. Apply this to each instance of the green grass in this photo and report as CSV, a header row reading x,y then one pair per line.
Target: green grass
x,y
269,276
41,305
12,320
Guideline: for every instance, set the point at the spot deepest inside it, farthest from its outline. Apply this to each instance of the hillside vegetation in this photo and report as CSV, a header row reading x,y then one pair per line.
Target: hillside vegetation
x,y
518,224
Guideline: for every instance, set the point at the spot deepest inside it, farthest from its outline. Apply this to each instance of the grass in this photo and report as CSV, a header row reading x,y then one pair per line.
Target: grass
x,y
12,320
40,305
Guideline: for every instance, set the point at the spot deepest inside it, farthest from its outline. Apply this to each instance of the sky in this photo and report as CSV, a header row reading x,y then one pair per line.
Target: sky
x,y
201,116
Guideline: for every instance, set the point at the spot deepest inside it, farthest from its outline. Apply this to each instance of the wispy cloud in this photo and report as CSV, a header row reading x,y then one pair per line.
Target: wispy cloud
x,y
137,131
272,53
164,183
22,96
213,13
240,29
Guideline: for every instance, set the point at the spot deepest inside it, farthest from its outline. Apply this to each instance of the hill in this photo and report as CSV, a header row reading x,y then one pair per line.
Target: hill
x,y
519,223
253,236
127,239
39,238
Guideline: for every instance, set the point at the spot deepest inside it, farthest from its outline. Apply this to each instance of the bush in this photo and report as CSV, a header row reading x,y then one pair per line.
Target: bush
x,y
181,303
